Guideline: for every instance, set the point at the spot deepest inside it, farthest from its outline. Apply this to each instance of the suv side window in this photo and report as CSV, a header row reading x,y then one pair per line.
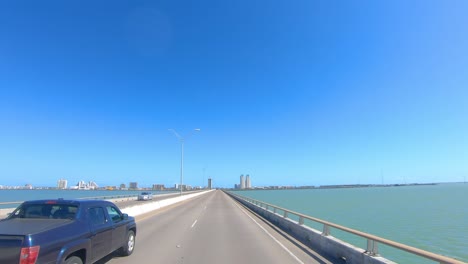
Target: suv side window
x,y
114,214
97,216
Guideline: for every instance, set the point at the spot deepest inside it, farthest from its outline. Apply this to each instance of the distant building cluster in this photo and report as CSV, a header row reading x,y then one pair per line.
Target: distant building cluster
x,y
82,185
24,187
158,187
244,183
63,184
134,186
183,186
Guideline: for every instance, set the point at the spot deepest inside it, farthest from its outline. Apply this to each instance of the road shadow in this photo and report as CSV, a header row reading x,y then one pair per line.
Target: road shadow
x,y
113,255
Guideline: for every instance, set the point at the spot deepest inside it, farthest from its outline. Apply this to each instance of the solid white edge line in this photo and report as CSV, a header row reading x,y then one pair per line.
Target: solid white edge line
x,y
271,236
194,223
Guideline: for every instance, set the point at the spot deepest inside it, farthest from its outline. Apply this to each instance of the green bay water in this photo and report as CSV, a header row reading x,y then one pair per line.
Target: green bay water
x,y
429,217
433,218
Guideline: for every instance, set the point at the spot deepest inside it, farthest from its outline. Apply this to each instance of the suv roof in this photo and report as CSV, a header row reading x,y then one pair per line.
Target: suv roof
x,y
63,201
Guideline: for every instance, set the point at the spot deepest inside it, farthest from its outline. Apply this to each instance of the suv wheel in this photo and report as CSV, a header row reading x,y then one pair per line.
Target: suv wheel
x,y
73,260
129,246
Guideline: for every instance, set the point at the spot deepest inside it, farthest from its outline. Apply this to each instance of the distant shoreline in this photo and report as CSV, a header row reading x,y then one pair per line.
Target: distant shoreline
x,y
338,186
372,185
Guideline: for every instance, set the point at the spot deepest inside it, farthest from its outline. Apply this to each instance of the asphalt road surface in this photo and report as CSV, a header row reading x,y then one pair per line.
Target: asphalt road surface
x,y
212,228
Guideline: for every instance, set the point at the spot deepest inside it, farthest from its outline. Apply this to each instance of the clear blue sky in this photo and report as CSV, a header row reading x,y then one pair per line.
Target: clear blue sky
x,y
291,92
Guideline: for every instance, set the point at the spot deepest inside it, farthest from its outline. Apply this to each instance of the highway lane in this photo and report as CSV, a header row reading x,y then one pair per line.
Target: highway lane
x,y
212,228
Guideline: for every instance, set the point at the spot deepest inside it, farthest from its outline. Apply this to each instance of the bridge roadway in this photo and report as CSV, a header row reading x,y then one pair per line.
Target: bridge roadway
x,y
212,228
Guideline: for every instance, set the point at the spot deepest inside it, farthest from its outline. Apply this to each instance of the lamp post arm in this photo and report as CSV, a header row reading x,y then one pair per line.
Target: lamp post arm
x,y
176,134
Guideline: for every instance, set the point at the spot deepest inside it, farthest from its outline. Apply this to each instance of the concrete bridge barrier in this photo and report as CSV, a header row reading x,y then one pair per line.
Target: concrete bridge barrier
x,y
136,209
327,245
155,205
323,244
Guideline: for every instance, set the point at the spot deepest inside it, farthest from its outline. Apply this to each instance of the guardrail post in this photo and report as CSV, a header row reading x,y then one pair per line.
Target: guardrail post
x,y
372,247
301,220
326,230
369,246
375,249
274,210
285,214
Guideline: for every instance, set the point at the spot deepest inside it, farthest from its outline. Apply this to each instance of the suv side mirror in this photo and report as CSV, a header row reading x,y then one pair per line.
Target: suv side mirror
x,y
124,216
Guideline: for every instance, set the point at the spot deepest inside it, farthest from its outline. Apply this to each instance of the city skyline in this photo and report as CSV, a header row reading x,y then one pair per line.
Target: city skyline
x,y
297,94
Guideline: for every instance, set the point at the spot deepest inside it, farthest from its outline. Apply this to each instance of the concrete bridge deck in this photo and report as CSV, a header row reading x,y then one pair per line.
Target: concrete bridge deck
x,y
212,228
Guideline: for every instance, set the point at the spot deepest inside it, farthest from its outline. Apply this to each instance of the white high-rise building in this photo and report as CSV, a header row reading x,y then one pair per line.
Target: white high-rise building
x,y
82,185
242,182
62,184
248,185
92,185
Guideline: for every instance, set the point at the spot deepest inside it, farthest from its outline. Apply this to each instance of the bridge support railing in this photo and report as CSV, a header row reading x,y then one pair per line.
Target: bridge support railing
x,y
372,240
372,247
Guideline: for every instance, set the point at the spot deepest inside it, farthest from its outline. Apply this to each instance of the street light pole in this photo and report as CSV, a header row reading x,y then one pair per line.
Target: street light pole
x,y
181,140
181,164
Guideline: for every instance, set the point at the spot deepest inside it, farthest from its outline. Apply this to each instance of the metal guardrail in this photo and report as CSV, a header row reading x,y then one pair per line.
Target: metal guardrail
x,y
372,240
106,197
6,203
82,198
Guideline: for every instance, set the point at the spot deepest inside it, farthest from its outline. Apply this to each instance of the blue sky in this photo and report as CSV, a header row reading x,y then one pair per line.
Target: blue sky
x,y
290,92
